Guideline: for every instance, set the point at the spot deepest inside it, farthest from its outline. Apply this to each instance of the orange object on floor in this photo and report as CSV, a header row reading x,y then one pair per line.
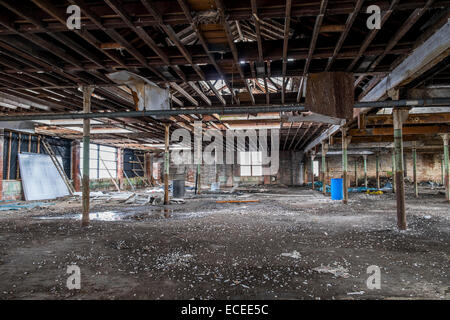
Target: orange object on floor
x,y
236,201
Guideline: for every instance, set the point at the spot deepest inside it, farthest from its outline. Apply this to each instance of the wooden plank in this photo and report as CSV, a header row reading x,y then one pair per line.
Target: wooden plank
x,y
419,118
431,52
420,130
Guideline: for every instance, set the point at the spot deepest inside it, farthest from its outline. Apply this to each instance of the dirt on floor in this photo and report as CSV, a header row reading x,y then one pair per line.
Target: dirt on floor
x,y
294,243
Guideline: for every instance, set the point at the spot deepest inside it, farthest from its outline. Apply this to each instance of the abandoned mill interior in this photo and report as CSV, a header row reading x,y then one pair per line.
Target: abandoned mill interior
x,y
224,150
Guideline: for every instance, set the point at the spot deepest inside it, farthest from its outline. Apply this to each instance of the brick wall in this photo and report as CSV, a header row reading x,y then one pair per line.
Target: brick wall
x,y
428,166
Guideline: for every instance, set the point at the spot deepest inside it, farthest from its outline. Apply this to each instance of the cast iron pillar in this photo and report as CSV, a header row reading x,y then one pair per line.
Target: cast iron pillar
x,y
399,116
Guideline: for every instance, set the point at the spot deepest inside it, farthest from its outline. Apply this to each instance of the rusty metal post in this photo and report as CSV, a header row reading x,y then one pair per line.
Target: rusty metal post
x,y
87,93
166,164
345,142
356,172
324,167
365,170
399,116
414,155
442,170
445,137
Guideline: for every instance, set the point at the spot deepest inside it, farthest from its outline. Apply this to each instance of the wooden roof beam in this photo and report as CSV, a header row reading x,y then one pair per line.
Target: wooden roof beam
x,y
200,92
311,136
230,39
287,26
303,135
348,25
84,34
372,34
184,93
412,19
185,7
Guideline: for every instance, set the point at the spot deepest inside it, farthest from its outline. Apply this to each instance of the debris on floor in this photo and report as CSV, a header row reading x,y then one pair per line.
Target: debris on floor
x,y
29,205
336,271
294,254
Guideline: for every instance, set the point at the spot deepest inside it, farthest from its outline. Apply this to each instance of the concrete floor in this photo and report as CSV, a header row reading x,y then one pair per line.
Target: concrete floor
x,y
205,250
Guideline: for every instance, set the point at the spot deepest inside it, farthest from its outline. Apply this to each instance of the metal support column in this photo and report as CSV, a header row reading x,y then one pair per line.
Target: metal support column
x,y
345,142
2,142
446,137
393,171
399,116
324,167
377,163
414,155
166,164
199,179
356,172
365,170
87,93
313,155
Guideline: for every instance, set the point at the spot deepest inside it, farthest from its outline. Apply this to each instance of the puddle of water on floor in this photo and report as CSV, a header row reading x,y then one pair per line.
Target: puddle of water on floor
x,y
98,216
164,213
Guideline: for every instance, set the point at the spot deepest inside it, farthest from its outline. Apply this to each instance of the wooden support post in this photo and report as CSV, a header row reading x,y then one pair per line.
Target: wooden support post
x,y
356,172
17,158
87,93
166,164
76,166
414,155
120,167
445,137
324,167
345,142
365,171
399,116
2,141
377,160
147,168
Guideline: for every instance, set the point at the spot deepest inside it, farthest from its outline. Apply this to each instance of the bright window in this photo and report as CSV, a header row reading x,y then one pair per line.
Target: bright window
x,y
251,163
101,158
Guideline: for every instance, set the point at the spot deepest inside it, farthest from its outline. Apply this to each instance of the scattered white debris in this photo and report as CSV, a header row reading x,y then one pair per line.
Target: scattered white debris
x,y
294,254
355,293
336,271
174,259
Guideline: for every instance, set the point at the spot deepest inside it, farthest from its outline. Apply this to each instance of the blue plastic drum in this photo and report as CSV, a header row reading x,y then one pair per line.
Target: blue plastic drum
x,y
336,189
